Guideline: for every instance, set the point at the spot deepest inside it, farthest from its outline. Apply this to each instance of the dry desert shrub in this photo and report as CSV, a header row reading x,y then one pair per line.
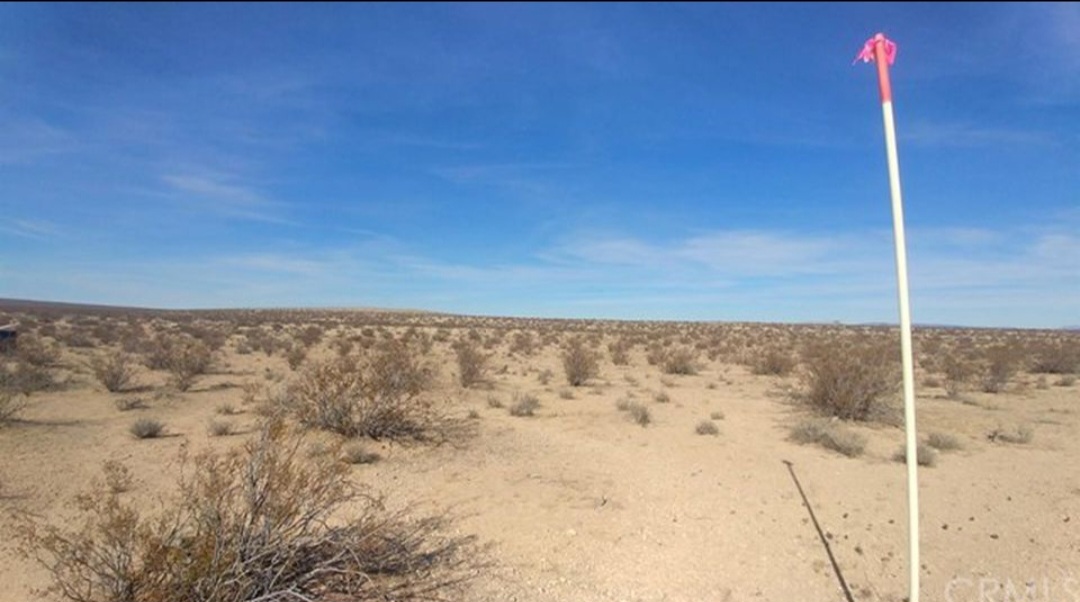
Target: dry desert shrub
x,y
925,455
219,428
184,357
523,343
958,372
115,370
1000,367
707,427
376,395
126,404
472,363
310,335
1022,435
356,453
620,351
147,428
851,381
579,362
36,351
772,362
118,478
524,405
260,523
830,435
25,378
679,360
943,441
295,356
1061,357
635,411
11,403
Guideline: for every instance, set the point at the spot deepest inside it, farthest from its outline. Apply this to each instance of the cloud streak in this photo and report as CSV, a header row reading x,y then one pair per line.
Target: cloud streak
x,y
220,195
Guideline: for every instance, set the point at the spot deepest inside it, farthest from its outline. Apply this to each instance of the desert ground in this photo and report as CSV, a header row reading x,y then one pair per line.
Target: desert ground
x,y
672,472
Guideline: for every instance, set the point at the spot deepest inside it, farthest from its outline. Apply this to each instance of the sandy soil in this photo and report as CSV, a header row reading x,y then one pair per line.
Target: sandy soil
x,y
579,503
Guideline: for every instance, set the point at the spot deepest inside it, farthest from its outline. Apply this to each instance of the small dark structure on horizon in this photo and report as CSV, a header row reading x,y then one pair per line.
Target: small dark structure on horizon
x,y
9,334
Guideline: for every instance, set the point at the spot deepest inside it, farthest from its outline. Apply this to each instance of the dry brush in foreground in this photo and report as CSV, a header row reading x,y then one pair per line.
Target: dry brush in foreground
x,y
258,524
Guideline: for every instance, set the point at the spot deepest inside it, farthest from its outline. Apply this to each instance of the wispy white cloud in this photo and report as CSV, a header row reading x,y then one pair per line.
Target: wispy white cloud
x,y
966,135
728,253
219,194
27,139
35,229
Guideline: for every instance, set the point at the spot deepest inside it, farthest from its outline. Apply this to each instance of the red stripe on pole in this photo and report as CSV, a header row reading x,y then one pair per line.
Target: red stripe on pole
x,y
882,60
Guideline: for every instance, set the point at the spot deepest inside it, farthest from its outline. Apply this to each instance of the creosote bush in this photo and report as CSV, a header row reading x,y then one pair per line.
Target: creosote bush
x,y
830,435
184,357
773,362
925,455
579,362
147,428
851,381
1022,435
1000,367
35,351
524,405
11,403
707,427
472,363
637,412
376,395
259,523
680,360
115,370
943,441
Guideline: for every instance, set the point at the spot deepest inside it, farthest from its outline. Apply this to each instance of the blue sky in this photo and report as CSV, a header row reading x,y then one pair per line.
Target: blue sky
x,y
720,162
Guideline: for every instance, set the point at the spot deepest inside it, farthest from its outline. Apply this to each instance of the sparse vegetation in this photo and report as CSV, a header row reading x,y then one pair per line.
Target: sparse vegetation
x,y
620,352
524,405
1000,367
829,434
115,370
545,376
10,405
118,478
251,525
472,363
357,453
851,382
925,455
147,428
1057,358
36,351
679,360
580,363
1022,435
376,395
126,404
707,427
773,362
943,441
957,374
637,412
219,428
184,357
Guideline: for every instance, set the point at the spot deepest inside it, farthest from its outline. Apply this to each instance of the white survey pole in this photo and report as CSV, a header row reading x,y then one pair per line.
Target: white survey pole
x,y
883,52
